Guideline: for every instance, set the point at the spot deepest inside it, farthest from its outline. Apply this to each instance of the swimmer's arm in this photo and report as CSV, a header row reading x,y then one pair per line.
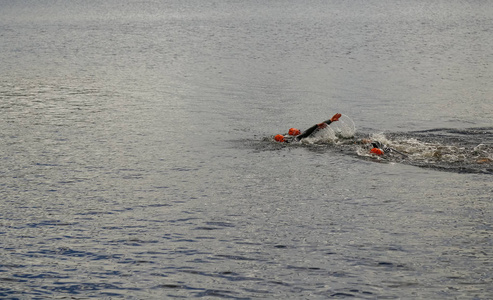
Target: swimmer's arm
x,y
310,130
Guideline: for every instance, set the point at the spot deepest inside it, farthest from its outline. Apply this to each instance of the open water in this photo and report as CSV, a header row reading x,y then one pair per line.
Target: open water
x,y
137,158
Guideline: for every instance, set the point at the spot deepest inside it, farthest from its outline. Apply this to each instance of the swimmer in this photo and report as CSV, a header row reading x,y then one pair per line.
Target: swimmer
x,y
297,135
381,149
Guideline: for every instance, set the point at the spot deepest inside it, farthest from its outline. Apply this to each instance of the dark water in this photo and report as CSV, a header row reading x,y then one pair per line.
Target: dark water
x,y
137,160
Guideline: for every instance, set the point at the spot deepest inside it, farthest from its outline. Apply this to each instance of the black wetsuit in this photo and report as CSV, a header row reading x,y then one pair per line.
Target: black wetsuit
x,y
310,130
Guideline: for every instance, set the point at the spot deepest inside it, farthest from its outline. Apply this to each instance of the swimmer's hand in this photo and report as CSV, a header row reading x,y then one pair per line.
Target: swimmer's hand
x,y
335,117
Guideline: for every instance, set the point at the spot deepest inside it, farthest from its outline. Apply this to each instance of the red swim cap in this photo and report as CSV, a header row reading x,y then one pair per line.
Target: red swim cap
x,y
294,131
377,151
279,138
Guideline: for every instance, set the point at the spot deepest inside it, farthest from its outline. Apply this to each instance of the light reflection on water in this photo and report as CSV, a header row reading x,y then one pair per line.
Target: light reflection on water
x,y
136,159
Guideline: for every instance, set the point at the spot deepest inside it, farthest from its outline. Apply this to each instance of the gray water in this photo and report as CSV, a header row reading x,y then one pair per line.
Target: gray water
x,y
137,158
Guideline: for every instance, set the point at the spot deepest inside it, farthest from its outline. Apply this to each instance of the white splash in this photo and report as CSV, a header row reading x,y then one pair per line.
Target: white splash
x,y
344,127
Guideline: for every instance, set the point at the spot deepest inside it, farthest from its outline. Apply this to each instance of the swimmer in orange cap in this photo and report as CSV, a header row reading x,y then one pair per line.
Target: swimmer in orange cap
x,y
294,131
298,136
279,138
380,149
377,151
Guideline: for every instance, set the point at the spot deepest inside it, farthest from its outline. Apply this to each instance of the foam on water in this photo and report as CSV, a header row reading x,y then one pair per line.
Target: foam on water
x,y
436,151
448,153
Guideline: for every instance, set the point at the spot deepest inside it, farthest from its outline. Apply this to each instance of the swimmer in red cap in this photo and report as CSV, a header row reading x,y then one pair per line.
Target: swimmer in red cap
x,y
298,136
380,149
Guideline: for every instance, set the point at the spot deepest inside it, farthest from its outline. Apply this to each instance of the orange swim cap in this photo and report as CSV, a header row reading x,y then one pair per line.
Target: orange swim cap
x,y
377,151
294,131
279,138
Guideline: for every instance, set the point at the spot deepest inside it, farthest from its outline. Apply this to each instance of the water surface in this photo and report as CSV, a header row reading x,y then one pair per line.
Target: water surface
x,y
137,159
